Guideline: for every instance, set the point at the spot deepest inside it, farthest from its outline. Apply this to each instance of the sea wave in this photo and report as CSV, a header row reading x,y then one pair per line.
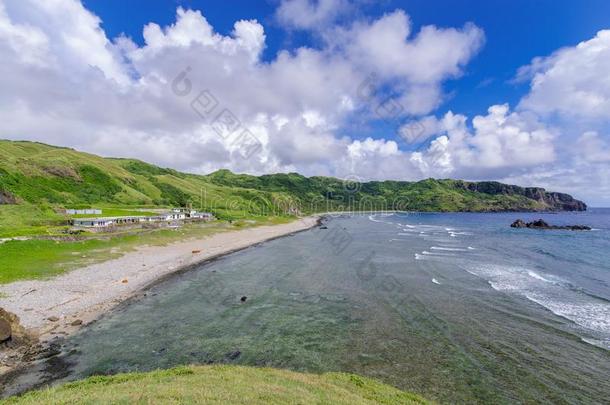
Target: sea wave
x,y
448,249
551,292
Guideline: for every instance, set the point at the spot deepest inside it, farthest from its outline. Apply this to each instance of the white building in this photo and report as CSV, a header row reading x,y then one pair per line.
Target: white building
x,y
170,216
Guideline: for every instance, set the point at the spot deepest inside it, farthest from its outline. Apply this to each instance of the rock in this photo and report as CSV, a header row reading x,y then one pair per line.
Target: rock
x,y
124,281
233,355
11,332
541,224
6,332
76,322
323,227
518,224
53,319
244,298
7,198
196,251
538,224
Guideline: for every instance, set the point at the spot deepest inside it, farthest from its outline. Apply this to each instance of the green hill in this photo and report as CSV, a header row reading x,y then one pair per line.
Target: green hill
x,y
40,178
223,385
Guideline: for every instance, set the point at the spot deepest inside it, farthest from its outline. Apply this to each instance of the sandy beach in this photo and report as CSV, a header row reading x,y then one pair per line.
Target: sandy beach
x,y
61,305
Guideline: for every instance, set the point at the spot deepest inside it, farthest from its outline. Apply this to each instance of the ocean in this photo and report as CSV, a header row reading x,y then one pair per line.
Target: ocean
x,y
458,307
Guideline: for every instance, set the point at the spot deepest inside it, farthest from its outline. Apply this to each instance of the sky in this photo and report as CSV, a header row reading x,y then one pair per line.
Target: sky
x,y
516,91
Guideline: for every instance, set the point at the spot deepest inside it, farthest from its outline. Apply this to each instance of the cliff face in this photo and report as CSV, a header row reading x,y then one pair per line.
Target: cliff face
x,y
553,201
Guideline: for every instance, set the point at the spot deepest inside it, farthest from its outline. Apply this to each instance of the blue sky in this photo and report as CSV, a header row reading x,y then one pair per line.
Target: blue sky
x,y
515,91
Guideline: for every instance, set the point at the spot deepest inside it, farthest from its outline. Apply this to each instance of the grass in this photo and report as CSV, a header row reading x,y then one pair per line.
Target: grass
x,y
35,258
220,384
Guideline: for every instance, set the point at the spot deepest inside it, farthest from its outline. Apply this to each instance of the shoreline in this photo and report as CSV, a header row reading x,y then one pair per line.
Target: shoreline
x,y
59,307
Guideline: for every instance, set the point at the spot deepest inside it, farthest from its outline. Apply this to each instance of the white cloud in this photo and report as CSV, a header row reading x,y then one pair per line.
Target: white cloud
x,y
591,147
498,142
572,82
65,83
307,14
412,65
384,45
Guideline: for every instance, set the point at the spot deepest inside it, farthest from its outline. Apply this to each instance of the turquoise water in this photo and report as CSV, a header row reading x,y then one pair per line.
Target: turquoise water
x,y
457,307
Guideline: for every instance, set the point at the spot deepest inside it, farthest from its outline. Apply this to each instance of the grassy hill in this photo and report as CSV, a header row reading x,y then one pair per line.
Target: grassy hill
x,y
223,385
37,179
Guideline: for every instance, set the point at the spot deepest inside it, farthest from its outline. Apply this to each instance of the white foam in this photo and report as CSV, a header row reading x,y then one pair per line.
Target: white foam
x,y
454,234
603,343
425,252
537,276
549,291
448,249
435,281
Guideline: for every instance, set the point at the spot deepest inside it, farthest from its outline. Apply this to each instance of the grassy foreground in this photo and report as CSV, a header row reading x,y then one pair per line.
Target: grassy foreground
x,y
220,384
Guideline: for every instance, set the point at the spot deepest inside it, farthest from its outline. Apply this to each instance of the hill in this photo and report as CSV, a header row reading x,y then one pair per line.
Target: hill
x,y
46,177
223,385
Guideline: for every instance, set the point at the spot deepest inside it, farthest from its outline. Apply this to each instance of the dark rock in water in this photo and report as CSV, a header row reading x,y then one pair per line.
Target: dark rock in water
x,y
5,330
519,224
323,227
233,355
244,298
538,224
541,224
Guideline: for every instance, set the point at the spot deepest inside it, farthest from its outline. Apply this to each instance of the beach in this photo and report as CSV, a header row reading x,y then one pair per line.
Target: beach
x,y
61,305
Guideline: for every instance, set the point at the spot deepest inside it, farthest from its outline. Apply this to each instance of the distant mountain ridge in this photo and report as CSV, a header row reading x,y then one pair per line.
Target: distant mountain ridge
x,y
35,173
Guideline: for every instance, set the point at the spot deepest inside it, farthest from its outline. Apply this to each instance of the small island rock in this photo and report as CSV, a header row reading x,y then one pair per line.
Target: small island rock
x,y
541,224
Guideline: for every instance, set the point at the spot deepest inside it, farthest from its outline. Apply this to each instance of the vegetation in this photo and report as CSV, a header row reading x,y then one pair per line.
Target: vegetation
x,y
42,258
48,176
222,384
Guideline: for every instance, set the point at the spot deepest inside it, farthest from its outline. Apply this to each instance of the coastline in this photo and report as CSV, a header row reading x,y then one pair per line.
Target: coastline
x,y
60,306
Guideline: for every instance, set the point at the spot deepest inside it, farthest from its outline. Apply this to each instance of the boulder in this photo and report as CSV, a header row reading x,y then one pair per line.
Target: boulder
x,y
233,355
538,224
7,198
6,332
518,224
11,331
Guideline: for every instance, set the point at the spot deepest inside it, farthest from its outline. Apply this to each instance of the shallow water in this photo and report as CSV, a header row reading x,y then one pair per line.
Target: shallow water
x,y
457,307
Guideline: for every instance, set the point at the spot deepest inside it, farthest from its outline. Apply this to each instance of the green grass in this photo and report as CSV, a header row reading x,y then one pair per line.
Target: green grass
x,y
35,259
223,385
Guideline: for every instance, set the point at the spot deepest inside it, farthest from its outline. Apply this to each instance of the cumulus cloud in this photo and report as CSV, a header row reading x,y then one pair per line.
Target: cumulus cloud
x,y
572,82
196,100
497,142
593,148
308,14
413,65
